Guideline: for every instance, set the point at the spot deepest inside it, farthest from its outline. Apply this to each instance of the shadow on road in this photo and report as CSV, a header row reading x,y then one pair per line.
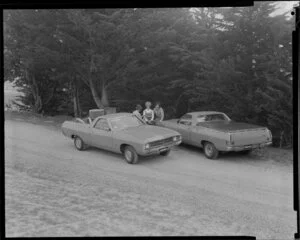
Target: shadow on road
x,y
256,155
143,160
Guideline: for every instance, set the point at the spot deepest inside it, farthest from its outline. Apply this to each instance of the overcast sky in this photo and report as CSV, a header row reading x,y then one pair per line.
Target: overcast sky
x,y
285,6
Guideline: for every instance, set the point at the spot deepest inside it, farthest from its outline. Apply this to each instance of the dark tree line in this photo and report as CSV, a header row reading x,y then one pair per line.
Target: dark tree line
x,y
235,60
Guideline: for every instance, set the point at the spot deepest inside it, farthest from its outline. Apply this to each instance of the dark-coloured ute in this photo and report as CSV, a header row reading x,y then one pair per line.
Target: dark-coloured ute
x,y
215,132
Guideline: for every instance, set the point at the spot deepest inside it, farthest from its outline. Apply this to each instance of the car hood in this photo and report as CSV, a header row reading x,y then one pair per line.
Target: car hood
x,y
147,133
172,120
230,126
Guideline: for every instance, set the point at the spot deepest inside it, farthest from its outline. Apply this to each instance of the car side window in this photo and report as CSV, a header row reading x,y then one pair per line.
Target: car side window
x,y
209,118
186,119
201,118
102,124
185,122
217,117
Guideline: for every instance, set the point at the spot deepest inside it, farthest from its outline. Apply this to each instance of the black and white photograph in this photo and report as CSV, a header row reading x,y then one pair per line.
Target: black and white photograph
x,y
149,121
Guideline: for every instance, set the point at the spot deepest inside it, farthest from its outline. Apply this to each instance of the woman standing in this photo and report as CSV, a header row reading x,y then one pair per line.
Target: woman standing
x,y
159,113
148,113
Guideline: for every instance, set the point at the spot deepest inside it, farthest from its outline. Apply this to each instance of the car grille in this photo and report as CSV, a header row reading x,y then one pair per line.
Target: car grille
x,y
161,142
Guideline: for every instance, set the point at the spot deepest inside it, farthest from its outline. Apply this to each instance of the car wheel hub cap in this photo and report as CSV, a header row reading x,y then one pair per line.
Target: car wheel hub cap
x,y
128,155
78,143
208,150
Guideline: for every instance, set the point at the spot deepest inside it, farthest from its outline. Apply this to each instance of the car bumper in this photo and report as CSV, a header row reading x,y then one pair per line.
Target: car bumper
x,y
159,149
247,147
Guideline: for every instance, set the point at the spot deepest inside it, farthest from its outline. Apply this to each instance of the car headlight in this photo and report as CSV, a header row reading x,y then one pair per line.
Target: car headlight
x,y
147,146
176,138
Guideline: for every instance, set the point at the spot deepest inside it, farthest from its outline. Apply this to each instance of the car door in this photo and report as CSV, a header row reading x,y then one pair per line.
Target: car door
x,y
184,125
102,135
197,135
197,132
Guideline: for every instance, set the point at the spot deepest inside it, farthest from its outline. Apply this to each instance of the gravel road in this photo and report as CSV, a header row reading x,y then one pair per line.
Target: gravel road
x,y
51,189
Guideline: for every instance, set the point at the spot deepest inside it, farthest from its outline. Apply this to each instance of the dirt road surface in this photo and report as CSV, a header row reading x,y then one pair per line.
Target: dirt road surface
x,y
51,189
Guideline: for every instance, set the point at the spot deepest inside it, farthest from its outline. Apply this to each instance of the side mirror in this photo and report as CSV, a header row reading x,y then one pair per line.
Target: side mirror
x,y
107,129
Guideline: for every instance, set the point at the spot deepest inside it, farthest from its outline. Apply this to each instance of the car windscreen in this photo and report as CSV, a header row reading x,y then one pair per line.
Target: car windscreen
x,y
125,122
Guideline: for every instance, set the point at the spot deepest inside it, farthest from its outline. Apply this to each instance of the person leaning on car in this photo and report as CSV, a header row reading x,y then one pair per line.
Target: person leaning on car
x,y
137,111
158,113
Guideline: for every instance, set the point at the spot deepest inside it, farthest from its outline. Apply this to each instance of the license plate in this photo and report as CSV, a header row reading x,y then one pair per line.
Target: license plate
x,y
248,146
163,149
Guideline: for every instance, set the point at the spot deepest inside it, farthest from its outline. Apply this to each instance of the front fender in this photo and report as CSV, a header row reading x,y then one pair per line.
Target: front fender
x,y
120,139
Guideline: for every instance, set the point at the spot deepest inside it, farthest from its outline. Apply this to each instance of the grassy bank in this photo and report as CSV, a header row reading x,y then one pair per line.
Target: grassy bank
x,y
34,118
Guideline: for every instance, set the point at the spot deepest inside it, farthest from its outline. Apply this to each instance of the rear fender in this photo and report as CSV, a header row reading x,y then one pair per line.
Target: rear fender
x,y
72,129
217,138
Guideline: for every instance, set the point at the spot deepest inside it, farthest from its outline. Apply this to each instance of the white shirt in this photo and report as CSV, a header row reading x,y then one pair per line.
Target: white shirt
x,y
148,114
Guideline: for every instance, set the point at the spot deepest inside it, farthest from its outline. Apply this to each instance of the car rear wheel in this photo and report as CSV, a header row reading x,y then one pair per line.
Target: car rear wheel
x,y
210,150
165,153
79,144
130,155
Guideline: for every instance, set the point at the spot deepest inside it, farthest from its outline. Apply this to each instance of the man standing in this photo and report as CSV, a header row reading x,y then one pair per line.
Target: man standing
x,y
158,113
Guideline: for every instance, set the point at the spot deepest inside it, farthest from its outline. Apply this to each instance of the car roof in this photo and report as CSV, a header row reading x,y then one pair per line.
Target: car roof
x,y
204,113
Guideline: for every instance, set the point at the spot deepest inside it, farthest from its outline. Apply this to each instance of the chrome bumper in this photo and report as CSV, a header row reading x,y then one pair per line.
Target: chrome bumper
x,y
159,149
247,147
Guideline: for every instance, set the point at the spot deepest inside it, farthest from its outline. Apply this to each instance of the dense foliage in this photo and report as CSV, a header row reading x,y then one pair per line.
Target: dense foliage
x,y
235,60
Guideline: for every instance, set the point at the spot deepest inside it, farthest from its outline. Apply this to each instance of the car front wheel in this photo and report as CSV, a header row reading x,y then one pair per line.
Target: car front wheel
x,y
79,144
210,150
130,155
